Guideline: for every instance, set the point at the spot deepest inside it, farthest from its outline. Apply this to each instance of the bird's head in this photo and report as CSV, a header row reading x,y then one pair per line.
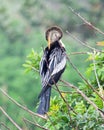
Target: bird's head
x,y
53,34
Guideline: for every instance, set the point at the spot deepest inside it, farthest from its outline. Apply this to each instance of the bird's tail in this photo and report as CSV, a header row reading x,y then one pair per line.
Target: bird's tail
x,y
44,102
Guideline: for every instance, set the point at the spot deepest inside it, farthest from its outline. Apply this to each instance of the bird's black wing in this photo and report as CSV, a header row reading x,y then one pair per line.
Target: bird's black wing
x,y
54,64
43,64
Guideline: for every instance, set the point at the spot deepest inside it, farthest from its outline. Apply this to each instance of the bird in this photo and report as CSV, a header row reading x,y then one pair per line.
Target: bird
x,y
52,65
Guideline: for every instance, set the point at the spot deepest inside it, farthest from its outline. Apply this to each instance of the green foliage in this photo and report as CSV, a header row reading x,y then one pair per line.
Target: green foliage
x,y
32,62
98,58
86,117
22,27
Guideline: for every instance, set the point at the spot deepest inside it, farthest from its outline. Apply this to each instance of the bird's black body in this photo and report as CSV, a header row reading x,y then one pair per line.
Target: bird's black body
x,y
51,68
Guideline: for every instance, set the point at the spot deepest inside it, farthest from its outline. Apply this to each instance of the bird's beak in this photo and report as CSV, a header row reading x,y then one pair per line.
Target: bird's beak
x,y
49,42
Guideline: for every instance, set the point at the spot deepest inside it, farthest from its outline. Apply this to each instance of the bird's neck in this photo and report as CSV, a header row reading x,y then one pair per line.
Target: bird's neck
x,y
57,44
61,43
54,45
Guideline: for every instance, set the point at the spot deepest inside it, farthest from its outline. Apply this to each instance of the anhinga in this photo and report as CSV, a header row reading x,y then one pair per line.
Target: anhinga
x,y
52,66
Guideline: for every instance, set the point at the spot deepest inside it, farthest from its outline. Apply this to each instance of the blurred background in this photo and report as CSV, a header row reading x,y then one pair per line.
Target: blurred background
x,y
22,27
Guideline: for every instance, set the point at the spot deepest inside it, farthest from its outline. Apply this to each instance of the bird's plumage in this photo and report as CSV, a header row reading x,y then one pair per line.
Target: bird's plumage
x,y
52,66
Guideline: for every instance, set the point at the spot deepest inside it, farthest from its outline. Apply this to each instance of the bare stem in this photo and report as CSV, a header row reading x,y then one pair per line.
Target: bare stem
x,y
35,124
21,106
2,124
68,106
51,122
77,53
33,68
85,21
62,91
13,122
82,43
97,79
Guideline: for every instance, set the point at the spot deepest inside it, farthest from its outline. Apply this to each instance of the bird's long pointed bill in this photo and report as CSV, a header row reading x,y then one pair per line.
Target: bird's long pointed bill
x,y
49,42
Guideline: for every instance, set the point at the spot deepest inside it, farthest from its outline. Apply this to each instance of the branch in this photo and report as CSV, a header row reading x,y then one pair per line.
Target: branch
x,y
2,124
85,21
63,91
77,53
84,96
34,69
13,122
36,124
96,72
68,106
96,76
82,43
51,122
75,68
21,106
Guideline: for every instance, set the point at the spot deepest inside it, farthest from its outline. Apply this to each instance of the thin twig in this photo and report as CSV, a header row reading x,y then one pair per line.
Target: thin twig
x,y
13,122
2,124
21,106
51,122
82,43
75,68
33,68
85,21
97,79
95,71
27,127
35,124
84,96
77,53
69,107
62,91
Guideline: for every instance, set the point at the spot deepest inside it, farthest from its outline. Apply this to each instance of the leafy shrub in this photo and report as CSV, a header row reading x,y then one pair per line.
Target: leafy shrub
x,y
83,116
86,117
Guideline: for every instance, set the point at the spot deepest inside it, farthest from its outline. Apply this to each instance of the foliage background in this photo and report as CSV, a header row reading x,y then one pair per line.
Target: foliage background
x,y
22,27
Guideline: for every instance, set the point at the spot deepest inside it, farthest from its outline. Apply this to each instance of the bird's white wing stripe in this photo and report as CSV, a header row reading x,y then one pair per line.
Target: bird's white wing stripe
x,y
59,66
